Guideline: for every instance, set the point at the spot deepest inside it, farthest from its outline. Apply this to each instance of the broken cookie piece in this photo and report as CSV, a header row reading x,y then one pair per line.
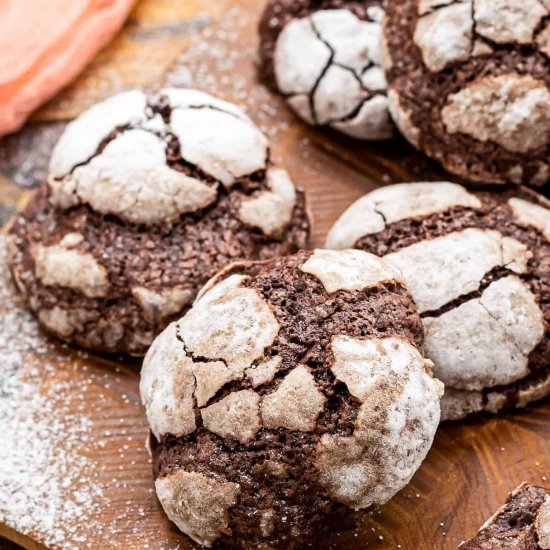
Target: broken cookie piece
x,y
523,523
148,196
478,266
293,389
324,57
469,84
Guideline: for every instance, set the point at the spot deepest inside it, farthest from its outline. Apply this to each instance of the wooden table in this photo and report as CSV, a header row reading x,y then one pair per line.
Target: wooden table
x,y
80,414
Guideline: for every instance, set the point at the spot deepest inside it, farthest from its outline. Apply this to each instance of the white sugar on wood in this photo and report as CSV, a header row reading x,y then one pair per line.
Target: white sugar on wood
x,y
44,477
218,61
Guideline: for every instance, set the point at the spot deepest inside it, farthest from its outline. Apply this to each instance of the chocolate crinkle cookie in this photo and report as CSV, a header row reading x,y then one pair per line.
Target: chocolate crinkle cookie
x,y
324,57
469,84
523,523
148,196
293,389
478,266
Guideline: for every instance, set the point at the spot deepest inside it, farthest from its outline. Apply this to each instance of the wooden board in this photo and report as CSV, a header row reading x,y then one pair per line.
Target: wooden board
x,y
72,430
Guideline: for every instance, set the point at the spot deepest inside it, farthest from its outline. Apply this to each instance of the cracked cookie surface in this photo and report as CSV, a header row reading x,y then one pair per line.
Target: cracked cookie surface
x,y
478,266
469,84
148,197
292,390
522,523
324,57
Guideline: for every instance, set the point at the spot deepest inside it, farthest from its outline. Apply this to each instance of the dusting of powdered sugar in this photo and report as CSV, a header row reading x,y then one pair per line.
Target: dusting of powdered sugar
x,y
220,62
44,486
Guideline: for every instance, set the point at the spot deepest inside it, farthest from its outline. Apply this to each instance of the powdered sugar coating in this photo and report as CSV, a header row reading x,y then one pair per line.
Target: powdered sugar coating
x,y
335,79
236,416
532,215
301,105
457,404
299,35
511,110
372,212
61,265
295,404
440,270
162,303
445,31
348,269
230,327
445,35
533,392
131,180
167,386
229,323
355,43
394,428
210,376
402,118
508,21
362,364
373,115
271,210
63,323
264,371
224,146
504,326
82,137
337,95
114,156
197,505
185,98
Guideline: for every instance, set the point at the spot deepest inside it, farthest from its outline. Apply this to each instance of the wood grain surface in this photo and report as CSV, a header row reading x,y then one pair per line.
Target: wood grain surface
x,y
96,420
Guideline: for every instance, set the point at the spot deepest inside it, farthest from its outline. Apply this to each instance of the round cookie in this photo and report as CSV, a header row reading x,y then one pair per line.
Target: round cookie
x,y
292,389
148,197
478,266
324,57
469,84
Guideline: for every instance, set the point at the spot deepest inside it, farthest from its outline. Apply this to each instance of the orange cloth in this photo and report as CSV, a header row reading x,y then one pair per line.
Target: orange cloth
x,y
44,44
